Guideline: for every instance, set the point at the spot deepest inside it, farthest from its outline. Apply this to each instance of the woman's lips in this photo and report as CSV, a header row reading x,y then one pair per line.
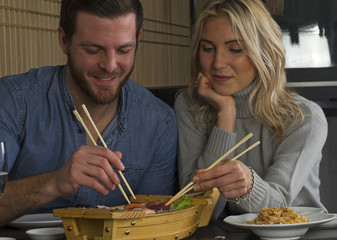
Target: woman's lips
x,y
220,78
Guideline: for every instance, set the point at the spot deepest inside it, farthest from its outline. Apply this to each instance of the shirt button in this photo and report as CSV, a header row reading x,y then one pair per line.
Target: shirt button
x,y
80,131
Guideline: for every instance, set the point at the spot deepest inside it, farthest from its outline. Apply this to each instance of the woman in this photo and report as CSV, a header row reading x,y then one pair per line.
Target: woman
x,y
238,87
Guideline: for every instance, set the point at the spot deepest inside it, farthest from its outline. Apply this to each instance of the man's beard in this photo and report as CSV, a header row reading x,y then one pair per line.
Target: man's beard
x,y
100,99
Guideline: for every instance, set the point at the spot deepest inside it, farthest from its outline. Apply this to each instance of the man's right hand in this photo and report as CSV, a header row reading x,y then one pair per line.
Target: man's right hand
x,y
85,165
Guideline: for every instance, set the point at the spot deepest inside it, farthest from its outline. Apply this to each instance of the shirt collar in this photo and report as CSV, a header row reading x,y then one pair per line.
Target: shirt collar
x,y
65,89
122,108
121,113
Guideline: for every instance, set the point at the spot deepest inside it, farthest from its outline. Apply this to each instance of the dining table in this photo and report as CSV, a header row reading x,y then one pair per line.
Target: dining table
x,y
214,230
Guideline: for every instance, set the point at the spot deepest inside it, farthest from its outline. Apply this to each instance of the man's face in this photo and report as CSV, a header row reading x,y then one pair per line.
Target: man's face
x,y
101,55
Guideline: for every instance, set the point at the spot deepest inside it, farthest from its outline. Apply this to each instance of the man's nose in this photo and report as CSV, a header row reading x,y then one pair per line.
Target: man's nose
x,y
109,62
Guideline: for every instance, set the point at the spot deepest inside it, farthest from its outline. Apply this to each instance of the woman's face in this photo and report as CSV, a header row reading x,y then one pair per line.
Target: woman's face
x,y
222,59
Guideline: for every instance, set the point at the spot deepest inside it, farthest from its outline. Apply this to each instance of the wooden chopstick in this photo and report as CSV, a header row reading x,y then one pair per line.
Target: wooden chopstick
x,y
79,118
102,140
236,157
188,186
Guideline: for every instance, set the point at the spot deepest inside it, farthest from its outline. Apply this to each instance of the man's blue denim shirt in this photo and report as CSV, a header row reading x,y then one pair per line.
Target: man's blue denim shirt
x,y
42,133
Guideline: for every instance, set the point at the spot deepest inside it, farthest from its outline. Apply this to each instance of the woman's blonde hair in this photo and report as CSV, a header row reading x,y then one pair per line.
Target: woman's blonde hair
x,y
270,102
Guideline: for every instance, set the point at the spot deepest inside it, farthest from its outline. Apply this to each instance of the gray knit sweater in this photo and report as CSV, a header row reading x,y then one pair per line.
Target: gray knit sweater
x,y
286,174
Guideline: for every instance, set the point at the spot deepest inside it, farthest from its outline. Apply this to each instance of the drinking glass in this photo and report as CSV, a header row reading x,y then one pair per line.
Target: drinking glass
x,y
3,167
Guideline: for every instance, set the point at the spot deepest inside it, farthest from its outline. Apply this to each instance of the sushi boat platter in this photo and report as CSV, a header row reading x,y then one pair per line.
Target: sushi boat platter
x,y
112,223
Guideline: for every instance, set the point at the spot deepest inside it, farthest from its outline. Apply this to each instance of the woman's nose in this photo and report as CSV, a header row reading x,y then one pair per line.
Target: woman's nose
x,y
220,60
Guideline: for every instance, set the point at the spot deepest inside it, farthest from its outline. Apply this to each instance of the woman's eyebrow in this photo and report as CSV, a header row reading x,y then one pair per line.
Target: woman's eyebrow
x,y
205,40
227,42
234,40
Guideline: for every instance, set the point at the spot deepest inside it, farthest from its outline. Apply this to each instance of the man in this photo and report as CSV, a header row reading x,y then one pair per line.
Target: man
x,y
52,162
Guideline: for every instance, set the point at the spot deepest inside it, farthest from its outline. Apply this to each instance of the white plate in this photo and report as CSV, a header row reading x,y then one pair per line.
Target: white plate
x,y
46,234
331,224
305,210
36,221
280,231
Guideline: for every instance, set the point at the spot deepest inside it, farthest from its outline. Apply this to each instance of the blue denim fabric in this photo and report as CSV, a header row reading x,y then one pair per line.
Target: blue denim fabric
x,y
41,132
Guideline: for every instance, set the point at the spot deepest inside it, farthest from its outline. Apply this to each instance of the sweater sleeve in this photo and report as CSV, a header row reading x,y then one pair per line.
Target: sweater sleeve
x,y
293,177
197,149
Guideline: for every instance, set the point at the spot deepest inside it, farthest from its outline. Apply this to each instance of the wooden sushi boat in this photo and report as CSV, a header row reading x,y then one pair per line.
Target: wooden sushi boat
x,y
114,223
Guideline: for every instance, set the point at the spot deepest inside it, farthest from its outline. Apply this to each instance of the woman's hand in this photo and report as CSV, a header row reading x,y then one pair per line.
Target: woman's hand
x,y
225,105
232,178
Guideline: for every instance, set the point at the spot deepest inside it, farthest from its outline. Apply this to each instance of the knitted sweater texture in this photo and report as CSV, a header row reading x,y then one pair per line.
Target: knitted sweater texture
x,y
286,174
